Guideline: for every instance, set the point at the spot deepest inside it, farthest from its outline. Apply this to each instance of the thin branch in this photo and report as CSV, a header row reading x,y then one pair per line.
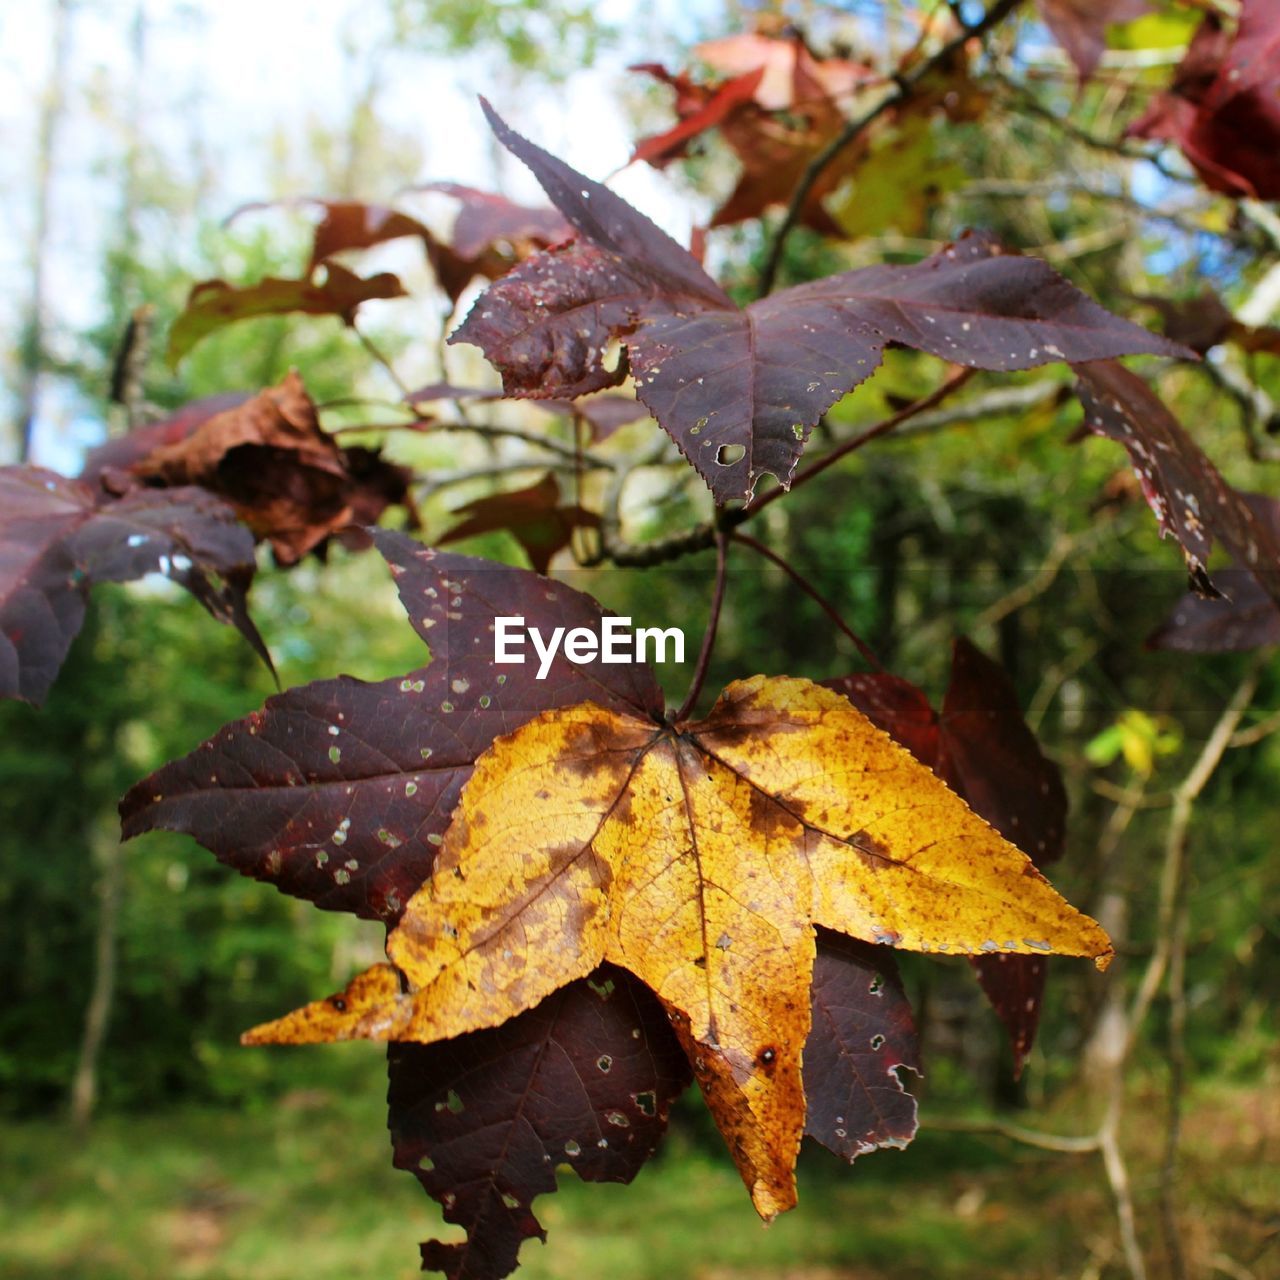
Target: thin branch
x,y
1175,849
813,593
709,635
1255,733
382,358
904,87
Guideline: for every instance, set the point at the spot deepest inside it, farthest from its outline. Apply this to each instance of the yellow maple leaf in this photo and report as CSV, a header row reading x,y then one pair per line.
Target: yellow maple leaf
x,y
700,857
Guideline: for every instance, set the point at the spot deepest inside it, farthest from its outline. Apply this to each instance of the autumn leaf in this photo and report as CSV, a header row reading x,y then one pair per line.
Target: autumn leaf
x,y
740,390
1222,108
1080,26
340,791
482,1121
288,479
58,537
779,107
535,517
984,750
1204,322
699,857
862,1038
212,304
120,453
486,220
1243,617
1190,499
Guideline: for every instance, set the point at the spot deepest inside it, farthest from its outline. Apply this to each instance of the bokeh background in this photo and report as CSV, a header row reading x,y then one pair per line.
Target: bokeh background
x,y
137,1139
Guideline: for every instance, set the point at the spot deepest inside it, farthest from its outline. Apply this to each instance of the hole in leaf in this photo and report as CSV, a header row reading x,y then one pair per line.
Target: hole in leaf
x,y
728,454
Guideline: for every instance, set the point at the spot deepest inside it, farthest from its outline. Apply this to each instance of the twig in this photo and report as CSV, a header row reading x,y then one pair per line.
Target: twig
x,y
709,635
1255,733
1177,1080
904,87
881,428
382,358
813,593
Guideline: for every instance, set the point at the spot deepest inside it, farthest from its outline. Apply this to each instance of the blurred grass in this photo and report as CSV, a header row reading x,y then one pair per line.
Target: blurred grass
x,y
306,1189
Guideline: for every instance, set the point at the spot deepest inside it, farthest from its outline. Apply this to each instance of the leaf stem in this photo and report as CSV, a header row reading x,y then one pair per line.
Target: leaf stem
x,y
812,592
382,358
709,635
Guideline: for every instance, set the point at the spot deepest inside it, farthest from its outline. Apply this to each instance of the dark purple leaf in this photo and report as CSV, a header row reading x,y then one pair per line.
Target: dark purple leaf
x,y
585,1079
987,754
340,791
898,707
57,538
982,748
1190,499
739,391
1244,617
485,220
862,1037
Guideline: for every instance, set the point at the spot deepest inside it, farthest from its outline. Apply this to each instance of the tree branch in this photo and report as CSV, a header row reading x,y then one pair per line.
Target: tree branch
x,y
904,87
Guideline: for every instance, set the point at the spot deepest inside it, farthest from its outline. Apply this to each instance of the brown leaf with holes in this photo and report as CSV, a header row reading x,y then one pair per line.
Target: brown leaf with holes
x,y
288,480
699,857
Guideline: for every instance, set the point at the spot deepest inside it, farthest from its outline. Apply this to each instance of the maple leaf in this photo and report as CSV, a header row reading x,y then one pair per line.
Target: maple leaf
x,y
58,537
340,791
1222,108
534,516
119,453
586,1079
1204,322
983,749
740,390
1190,499
486,220
861,1038
1244,617
1080,26
215,303
289,481
777,110
699,857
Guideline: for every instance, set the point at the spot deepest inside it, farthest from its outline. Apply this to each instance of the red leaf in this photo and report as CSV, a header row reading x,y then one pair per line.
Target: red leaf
x,y
984,751
340,791
700,108
58,538
862,1036
534,516
215,303
988,755
1080,26
349,224
1222,108
482,1121
1190,499
738,390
